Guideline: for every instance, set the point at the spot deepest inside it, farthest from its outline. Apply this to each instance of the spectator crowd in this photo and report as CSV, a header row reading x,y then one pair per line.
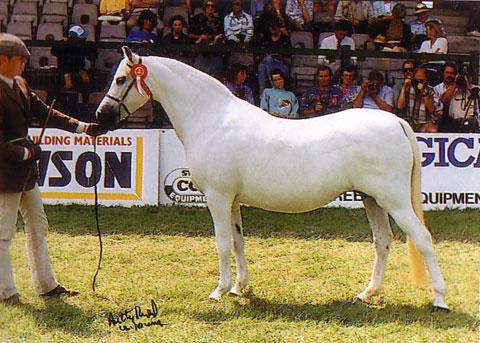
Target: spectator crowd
x,y
274,26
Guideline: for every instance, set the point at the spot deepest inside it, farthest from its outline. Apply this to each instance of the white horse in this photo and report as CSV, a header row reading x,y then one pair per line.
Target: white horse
x,y
239,154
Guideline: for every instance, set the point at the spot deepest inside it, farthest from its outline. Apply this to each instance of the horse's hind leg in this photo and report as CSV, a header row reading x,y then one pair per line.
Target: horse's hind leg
x,y
220,207
382,238
238,251
421,238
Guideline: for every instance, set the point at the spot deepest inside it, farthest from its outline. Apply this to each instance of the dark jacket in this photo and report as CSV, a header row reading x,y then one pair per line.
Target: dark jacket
x,y
16,113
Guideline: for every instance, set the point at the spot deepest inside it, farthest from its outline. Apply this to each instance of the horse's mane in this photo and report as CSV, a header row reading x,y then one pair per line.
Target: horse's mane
x,y
196,78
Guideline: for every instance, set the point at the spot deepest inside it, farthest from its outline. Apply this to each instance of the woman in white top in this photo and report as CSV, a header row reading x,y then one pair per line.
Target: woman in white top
x,y
436,42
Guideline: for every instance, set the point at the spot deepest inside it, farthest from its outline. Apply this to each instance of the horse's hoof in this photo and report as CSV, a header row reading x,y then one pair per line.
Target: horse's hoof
x,y
440,309
217,293
236,292
363,297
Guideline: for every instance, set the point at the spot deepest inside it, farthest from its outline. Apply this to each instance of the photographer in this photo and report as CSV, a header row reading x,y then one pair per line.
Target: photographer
x,y
416,104
374,94
457,95
323,99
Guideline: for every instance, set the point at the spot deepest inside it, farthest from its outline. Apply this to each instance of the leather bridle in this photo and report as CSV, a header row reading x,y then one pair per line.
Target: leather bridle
x,y
120,100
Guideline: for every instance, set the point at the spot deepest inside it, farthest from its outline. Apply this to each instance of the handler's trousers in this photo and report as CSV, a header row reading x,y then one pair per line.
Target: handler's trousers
x,y
35,220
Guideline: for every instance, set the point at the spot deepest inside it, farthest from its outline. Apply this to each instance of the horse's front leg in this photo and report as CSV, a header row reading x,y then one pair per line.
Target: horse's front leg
x,y
220,207
238,250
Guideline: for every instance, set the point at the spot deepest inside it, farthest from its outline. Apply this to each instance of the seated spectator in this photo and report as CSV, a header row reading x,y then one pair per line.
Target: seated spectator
x,y
324,20
338,39
236,82
416,102
408,69
473,25
114,10
417,26
206,28
147,22
436,42
176,34
323,99
272,11
299,14
457,93
274,41
348,86
358,13
137,7
238,26
71,60
374,93
394,34
276,100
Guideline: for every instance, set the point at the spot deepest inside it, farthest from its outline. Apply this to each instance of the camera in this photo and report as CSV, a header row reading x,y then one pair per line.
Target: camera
x,y
414,83
324,100
371,86
462,73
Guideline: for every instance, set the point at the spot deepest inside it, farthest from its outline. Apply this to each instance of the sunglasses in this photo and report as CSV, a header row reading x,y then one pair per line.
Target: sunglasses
x,y
406,70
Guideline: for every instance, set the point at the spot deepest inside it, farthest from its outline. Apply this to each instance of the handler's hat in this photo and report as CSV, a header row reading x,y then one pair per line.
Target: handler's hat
x,y
421,8
11,45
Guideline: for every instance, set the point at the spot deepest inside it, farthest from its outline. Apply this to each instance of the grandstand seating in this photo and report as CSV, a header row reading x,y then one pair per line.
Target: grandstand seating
x,y
113,32
42,58
21,17
171,11
55,12
25,12
22,29
3,15
88,10
45,30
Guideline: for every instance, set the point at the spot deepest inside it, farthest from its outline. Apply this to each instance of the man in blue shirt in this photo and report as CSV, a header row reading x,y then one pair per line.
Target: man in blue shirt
x,y
374,94
278,101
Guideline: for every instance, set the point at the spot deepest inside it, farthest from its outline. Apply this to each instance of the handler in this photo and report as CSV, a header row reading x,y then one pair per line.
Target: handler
x,y
18,177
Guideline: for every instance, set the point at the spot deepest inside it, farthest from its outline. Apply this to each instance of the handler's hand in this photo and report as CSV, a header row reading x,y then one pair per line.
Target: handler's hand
x,y
93,129
34,152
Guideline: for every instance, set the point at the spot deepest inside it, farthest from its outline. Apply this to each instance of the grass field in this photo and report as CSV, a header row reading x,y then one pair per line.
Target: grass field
x,y
305,271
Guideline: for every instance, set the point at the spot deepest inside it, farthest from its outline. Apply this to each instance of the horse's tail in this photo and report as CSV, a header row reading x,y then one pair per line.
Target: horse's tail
x,y
415,258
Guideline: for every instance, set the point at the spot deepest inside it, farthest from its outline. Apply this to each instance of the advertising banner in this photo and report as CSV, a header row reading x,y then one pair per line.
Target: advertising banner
x,y
124,165
450,173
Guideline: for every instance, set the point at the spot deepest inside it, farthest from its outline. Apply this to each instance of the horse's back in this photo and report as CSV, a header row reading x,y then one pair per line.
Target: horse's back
x,y
299,165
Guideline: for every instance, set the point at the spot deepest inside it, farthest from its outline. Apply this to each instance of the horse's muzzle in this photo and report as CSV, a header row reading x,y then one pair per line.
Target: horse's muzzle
x,y
107,116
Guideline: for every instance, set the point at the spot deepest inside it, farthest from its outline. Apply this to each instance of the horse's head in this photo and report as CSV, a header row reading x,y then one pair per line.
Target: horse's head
x,y
128,91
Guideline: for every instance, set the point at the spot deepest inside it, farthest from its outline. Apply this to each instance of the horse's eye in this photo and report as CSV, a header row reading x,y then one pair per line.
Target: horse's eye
x,y
121,80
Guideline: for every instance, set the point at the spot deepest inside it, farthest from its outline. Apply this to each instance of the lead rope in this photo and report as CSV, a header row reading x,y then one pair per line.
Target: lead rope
x,y
95,190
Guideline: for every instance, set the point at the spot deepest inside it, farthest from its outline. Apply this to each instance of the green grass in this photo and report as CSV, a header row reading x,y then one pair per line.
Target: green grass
x,y
304,269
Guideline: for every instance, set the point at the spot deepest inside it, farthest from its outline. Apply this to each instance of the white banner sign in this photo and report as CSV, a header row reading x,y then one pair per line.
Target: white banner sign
x,y
450,173
124,166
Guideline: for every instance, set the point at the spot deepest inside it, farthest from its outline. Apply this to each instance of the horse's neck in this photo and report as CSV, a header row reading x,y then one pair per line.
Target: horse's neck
x,y
192,100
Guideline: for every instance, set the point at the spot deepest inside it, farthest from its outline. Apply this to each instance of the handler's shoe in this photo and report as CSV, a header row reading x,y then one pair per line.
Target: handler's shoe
x,y
13,300
59,290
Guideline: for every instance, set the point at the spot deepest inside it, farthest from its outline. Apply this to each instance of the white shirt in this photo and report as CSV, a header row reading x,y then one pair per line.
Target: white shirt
x,y
439,47
458,103
330,42
7,80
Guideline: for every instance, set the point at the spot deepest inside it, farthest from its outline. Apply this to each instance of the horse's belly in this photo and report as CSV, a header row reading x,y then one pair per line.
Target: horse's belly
x,y
292,200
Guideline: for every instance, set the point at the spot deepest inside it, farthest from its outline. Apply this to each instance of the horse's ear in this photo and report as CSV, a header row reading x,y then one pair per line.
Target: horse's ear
x,y
128,54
